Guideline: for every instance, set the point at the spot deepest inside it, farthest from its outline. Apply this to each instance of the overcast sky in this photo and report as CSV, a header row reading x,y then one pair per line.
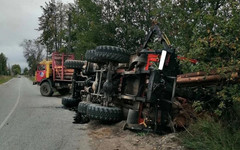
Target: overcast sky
x,y
18,21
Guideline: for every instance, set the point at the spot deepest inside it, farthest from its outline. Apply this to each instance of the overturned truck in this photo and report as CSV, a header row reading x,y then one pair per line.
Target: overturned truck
x,y
112,85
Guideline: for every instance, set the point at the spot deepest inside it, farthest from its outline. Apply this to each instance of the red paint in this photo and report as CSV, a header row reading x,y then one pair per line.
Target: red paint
x,y
58,67
41,72
155,58
194,61
151,58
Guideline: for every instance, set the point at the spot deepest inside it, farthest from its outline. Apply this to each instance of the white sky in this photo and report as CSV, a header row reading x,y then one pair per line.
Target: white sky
x,y
18,21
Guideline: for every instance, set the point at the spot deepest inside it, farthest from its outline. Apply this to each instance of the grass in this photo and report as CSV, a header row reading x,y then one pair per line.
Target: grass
x,y
4,79
32,78
210,135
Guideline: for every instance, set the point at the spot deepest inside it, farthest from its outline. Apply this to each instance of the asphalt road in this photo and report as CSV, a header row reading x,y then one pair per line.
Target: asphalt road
x,y
29,121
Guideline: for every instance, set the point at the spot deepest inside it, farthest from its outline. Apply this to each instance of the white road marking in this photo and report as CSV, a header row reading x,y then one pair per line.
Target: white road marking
x,y
8,81
13,109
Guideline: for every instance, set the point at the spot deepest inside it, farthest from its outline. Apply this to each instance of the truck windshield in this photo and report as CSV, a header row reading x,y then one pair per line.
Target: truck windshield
x,y
41,67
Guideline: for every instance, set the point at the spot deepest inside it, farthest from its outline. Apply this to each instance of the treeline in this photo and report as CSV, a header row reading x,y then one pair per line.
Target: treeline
x,y
33,53
85,24
205,30
7,69
3,65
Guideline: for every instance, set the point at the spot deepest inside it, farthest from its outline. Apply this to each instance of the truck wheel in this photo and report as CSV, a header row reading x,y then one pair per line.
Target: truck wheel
x,y
82,107
69,102
98,112
63,91
74,64
112,49
90,56
46,89
107,54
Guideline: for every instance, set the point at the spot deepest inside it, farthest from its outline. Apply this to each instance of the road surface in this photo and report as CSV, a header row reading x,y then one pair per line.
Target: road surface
x,y
29,121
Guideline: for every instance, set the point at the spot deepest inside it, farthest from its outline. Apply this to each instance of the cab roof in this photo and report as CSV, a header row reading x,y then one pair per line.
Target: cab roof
x,y
44,62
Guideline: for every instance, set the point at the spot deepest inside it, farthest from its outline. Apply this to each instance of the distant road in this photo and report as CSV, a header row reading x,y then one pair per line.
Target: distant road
x,y
29,121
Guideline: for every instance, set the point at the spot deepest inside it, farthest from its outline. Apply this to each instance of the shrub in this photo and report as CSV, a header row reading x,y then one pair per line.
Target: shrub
x,y
207,134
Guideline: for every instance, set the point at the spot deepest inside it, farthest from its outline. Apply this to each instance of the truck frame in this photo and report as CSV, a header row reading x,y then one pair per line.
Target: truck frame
x,y
114,85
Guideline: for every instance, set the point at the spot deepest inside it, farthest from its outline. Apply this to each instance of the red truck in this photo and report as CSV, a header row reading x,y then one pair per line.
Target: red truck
x,y
52,75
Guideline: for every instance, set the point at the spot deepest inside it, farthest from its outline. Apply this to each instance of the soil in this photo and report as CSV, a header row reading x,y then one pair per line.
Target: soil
x,y
113,137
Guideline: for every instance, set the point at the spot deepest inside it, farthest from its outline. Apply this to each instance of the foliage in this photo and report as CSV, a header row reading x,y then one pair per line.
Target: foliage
x,y
208,134
205,30
3,64
198,106
229,105
33,52
52,23
16,69
87,24
87,17
25,71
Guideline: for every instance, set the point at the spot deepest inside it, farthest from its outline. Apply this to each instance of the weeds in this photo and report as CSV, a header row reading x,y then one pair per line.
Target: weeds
x,y
141,134
4,79
206,134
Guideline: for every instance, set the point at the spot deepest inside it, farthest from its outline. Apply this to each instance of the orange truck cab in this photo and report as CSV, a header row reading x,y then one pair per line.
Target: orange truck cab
x,y
52,75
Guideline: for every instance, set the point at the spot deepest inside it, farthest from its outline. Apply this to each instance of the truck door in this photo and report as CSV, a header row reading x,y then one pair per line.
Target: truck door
x,y
41,72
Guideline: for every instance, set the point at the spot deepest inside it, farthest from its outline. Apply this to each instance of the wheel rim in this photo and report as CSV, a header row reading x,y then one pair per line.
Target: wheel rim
x,y
45,89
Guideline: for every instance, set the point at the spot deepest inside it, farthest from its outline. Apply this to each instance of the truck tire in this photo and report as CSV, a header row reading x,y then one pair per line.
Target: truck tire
x,y
63,91
102,113
104,54
46,89
82,107
69,102
90,56
111,49
113,53
74,64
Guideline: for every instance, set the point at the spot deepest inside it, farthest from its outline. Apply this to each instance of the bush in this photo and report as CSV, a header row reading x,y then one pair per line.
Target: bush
x,y
208,134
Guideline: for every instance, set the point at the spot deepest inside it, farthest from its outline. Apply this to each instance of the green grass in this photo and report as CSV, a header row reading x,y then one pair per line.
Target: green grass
x,y
210,135
32,78
4,79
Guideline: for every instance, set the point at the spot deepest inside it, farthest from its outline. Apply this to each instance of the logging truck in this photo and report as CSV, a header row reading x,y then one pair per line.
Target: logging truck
x,y
53,76
112,85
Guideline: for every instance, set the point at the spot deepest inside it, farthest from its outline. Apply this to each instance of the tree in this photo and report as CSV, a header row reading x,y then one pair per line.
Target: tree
x,y
88,21
86,24
52,23
16,69
3,64
133,19
33,52
25,71
204,30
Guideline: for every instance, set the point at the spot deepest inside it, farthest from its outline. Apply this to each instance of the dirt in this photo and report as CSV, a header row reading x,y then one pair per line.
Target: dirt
x,y
113,137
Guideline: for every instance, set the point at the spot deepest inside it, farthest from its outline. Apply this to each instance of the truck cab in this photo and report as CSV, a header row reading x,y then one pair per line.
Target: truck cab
x,y
52,75
44,70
